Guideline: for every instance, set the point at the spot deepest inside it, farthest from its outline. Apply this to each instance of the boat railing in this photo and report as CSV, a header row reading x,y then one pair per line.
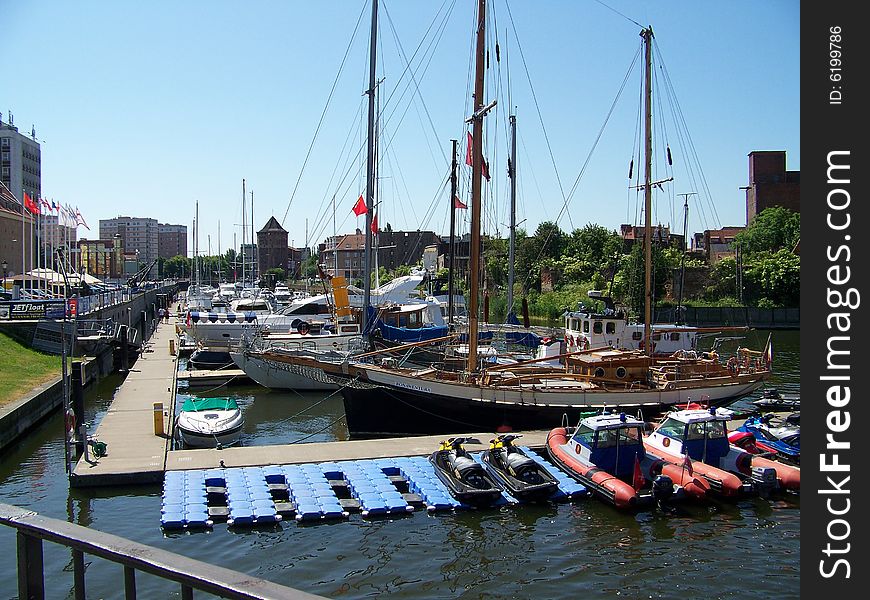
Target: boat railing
x,y
191,574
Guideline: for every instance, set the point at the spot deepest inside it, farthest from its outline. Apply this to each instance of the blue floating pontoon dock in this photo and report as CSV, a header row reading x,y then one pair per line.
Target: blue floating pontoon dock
x,y
313,492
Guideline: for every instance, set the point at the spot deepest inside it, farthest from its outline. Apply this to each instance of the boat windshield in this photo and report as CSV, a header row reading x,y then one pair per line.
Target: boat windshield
x,y
585,435
672,428
608,438
714,429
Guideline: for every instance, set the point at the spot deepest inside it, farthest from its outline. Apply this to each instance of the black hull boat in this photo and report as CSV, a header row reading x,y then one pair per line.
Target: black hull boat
x,y
466,479
209,360
378,412
520,475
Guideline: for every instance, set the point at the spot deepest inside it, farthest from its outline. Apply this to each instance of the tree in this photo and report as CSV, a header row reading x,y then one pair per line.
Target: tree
x,y
772,229
773,278
177,266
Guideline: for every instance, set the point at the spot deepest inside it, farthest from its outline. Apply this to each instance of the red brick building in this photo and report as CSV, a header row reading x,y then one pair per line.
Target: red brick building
x,y
770,184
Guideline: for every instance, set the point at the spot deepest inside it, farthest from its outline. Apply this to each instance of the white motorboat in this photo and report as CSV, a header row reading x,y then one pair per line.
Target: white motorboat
x,y
209,422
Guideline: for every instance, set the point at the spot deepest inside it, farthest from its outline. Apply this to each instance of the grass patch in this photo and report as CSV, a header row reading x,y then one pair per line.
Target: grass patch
x,y
22,369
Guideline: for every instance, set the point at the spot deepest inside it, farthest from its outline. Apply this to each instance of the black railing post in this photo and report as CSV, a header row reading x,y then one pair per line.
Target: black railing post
x,y
78,574
129,583
30,582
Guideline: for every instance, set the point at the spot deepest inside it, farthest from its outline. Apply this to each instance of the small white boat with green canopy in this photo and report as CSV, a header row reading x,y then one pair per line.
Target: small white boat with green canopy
x,y
209,422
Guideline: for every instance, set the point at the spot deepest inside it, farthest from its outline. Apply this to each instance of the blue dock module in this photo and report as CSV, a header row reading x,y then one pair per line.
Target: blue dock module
x,y
309,490
422,480
185,501
369,483
249,498
569,488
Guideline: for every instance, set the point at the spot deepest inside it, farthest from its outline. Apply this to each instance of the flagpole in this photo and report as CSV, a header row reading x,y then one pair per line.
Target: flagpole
x,y
23,264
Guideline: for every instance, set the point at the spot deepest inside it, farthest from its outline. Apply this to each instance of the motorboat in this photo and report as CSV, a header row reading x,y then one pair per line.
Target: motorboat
x,y
209,360
520,475
209,423
465,478
773,400
701,435
605,453
778,436
587,328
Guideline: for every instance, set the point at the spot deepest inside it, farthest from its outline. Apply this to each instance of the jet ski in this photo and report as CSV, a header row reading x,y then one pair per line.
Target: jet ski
x,y
521,476
466,479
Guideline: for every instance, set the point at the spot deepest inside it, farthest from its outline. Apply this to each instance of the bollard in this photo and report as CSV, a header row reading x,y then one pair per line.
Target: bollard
x,y
172,346
158,418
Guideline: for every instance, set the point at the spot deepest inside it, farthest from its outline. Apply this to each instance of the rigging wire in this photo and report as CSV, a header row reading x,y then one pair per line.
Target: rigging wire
x,y
619,13
323,114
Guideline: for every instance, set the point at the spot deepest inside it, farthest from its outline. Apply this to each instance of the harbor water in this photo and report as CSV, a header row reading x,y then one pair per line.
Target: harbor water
x,y
585,549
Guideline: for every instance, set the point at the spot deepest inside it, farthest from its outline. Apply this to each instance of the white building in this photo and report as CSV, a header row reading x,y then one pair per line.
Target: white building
x,y
138,235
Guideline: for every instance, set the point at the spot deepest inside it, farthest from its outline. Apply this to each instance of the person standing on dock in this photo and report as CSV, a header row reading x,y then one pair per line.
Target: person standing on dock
x,y
161,315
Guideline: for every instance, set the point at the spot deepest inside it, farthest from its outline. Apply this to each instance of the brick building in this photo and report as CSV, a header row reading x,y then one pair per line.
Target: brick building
x,y
770,184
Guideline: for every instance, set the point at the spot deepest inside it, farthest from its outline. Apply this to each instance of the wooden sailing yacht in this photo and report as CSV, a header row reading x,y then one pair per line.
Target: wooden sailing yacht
x,y
381,398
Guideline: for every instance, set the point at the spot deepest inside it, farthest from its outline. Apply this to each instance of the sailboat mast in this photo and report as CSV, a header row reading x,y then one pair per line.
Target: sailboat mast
x,y
370,166
450,266
679,315
512,172
646,34
476,185
253,258
244,233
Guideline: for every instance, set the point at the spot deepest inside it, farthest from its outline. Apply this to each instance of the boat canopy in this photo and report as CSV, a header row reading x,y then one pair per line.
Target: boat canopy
x,y
203,404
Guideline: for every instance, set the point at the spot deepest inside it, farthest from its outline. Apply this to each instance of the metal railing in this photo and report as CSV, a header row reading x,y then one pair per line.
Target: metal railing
x,y
190,573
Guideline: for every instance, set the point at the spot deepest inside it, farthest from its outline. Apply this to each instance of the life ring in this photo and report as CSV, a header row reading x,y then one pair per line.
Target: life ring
x,y
578,449
666,442
69,421
303,328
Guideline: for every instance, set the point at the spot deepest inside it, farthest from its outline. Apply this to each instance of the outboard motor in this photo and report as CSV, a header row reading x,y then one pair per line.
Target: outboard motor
x,y
764,479
662,488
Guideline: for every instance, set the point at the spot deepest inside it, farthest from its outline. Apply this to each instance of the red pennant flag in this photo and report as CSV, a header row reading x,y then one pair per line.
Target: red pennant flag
x,y
687,465
30,205
637,480
374,226
470,152
360,207
457,203
470,162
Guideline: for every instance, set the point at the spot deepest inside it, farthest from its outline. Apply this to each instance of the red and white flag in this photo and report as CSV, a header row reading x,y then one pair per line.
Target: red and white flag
x,y
360,207
457,203
374,226
30,205
637,480
484,169
687,465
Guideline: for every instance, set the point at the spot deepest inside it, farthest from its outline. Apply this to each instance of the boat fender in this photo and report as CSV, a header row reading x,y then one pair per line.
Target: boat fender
x,y
70,421
303,328
733,366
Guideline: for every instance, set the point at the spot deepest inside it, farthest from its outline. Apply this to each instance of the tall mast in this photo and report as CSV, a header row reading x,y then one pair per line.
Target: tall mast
x,y
646,34
244,231
512,172
370,166
253,260
679,316
450,266
476,184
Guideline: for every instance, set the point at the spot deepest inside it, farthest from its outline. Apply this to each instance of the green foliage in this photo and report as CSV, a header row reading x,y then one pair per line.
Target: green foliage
x,y
177,267
772,229
773,278
279,274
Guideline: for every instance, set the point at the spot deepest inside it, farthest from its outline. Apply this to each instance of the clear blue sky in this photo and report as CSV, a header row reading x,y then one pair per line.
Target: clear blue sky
x,y
143,109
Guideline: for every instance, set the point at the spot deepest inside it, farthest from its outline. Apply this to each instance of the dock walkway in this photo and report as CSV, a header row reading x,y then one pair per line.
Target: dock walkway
x,y
134,453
